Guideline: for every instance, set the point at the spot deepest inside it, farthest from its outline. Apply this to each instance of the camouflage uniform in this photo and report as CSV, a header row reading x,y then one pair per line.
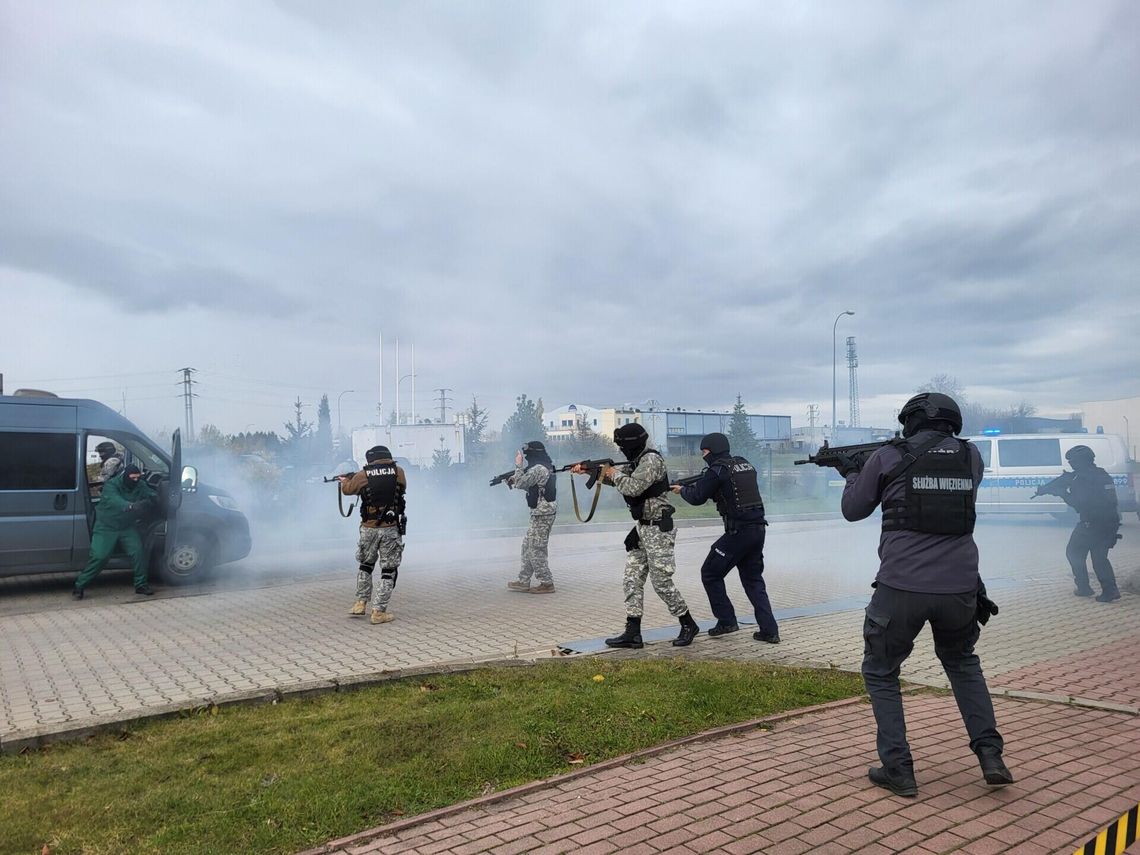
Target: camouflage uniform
x,y
110,466
654,557
534,546
385,547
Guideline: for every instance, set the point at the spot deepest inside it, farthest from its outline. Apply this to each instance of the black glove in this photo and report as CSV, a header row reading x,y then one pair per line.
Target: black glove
x,y
847,464
632,540
986,607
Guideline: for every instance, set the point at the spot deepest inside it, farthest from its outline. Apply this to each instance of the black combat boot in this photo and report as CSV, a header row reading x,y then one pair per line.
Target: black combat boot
x,y
993,769
630,638
899,781
689,631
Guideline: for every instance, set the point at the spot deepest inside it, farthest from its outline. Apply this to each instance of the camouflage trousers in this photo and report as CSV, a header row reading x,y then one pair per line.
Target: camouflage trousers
x,y
383,546
534,549
654,560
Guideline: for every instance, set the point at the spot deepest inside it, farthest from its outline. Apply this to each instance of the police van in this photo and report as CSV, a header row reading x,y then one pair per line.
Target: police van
x,y
1017,464
50,485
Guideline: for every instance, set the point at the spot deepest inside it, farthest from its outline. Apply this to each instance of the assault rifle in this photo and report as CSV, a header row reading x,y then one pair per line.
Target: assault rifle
x,y
336,479
499,479
692,479
1056,487
594,469
857,454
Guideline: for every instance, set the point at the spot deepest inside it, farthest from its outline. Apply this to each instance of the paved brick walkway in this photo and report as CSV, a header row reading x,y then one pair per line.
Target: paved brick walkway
x,y
802,787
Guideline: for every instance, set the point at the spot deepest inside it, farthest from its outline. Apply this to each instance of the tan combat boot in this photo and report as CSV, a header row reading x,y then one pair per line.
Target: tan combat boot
x,y
518,586
357,609
544,588
380,617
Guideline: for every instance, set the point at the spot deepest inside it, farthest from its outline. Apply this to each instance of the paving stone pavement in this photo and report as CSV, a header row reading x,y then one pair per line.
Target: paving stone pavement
x,y
99,662
801,786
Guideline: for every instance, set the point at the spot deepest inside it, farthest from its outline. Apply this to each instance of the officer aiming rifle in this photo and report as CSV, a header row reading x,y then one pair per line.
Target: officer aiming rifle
x,y
533,475
343,473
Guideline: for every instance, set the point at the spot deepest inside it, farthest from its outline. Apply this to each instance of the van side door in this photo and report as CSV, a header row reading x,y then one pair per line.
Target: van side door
x,y
40,499
987,491
1025,463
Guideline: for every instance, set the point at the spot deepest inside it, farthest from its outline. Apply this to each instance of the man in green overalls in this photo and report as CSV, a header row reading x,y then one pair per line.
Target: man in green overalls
x,y
126,500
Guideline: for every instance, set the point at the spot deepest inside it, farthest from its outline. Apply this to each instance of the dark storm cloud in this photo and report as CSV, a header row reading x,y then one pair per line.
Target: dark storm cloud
x,y
607,202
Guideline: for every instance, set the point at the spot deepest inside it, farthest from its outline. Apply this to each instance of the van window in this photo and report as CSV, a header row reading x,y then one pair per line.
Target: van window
x,y
37,461
1029,452
983,446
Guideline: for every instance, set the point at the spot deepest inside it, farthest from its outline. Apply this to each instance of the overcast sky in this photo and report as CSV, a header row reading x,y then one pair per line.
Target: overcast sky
x,y
605,202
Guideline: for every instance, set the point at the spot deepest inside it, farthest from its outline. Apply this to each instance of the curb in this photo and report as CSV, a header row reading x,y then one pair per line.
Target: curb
x,y
33,739
335,847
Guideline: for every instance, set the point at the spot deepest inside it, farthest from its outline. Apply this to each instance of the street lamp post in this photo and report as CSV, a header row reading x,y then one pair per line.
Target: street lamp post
x,y
339,431
833,326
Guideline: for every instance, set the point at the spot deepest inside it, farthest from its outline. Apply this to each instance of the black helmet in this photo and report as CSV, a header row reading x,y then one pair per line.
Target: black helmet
x,y
716,443
105,449
927,408
631,439
377,452
1080,455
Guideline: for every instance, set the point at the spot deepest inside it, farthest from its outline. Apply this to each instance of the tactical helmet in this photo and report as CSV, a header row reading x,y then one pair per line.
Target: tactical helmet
x,y
377,452
716,443
105,449
1080,455
932,407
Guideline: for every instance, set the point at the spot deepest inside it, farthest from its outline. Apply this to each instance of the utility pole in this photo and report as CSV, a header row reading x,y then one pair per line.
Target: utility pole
x,y
443,402
853,377
813,419
188,397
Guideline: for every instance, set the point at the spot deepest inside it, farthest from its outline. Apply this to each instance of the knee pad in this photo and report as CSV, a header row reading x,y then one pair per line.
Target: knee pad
x,y
391,573
367,568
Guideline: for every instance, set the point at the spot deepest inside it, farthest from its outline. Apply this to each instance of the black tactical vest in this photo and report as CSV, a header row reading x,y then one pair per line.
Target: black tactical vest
x,y
379,498
939,493
743,492
548,491
660,487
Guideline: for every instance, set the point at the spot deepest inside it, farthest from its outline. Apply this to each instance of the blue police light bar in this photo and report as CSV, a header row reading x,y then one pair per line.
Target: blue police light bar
x,y
991,431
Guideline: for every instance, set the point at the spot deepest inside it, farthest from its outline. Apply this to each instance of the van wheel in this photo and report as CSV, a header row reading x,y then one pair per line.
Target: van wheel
x,y
190,559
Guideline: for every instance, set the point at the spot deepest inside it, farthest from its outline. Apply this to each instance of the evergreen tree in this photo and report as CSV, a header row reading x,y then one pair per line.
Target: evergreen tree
x,y
299,434
525,423
474,426
741,438
322,440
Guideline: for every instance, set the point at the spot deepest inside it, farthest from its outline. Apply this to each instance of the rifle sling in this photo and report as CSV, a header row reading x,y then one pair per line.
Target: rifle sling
x,y
340,502
910,458
593,506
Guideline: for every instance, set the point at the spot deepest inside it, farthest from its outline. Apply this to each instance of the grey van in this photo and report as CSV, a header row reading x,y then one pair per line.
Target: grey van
x,y
49,490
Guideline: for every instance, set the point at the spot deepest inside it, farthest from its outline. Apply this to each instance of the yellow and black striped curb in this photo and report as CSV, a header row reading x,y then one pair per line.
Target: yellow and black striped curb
x,y
1115,839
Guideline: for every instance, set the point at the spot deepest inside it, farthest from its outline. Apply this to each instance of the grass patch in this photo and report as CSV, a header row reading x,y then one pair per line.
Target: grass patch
x,y
285,777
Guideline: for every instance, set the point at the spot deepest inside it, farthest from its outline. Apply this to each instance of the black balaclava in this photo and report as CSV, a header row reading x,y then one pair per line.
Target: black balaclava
x,y
377,452
631,439
535,452
128,471
716,443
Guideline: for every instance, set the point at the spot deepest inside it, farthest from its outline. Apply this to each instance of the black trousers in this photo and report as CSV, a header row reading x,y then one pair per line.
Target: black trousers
x,y
1083,542
894,619
745,551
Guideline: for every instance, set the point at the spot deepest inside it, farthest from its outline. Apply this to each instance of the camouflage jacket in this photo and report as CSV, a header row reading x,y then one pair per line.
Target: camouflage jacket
x,y
536,476
646,472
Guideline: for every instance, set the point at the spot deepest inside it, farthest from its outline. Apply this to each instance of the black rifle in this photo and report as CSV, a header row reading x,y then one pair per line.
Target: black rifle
x,y
499,479
336,479
1057,487
856,454
692,479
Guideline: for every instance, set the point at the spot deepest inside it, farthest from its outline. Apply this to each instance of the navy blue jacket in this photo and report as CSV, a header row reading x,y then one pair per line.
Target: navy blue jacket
x,y
716,482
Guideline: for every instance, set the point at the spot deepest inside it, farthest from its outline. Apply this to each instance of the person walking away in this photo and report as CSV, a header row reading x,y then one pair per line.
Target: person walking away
x,y
534,474
927,485
382,486
733,484
127,500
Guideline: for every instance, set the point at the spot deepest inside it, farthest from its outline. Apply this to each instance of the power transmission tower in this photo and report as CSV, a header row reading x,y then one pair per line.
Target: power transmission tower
x,y
853,375
443,402
188,397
